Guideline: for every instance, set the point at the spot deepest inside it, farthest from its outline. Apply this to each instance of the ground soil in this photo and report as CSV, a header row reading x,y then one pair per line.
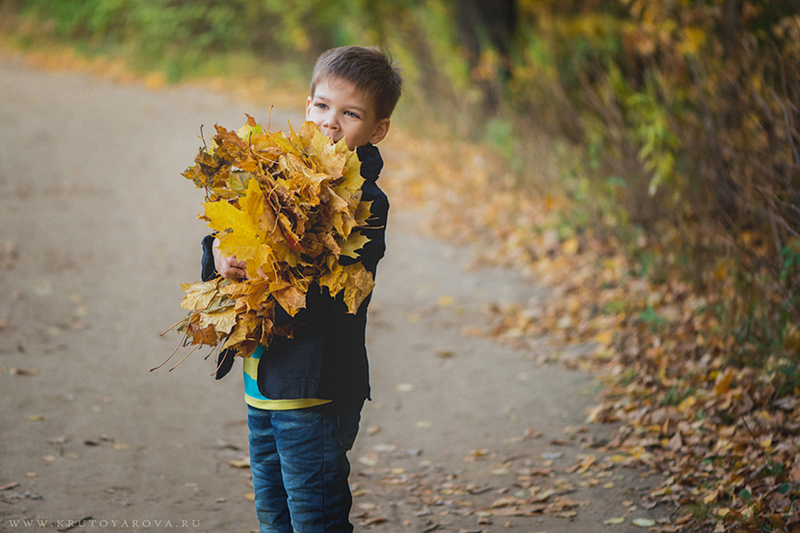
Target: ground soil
x,y
98,230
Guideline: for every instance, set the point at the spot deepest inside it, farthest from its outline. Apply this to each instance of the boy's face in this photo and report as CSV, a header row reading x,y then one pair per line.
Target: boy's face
x,y
341,112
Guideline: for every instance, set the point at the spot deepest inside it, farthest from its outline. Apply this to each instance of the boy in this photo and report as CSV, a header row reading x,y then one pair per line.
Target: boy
x,y
305,394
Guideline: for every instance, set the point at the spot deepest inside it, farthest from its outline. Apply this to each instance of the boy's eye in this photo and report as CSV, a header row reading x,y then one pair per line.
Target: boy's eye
x,y
352,114
321,105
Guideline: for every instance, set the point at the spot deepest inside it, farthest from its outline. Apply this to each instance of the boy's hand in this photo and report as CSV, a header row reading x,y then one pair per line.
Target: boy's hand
x,y
228,267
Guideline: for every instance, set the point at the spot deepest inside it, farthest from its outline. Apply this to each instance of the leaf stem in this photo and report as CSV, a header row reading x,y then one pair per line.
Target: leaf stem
x,y
173,352
178,323
185,356
212,351
224,357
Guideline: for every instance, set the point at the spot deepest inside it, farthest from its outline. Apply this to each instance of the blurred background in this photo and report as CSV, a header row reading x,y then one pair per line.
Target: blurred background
x,y
669,128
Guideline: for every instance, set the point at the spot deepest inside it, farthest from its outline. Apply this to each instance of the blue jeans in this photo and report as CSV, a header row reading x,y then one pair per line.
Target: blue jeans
x,y
300,468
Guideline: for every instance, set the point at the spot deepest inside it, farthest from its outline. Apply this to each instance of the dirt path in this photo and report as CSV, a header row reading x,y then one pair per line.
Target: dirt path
x,y
98,231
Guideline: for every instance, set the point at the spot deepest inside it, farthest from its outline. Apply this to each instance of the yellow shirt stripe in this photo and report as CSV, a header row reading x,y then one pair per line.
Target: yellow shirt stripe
x,y
254,398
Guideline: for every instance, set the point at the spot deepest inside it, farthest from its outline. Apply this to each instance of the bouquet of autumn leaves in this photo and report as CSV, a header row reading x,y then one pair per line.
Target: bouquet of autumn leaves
x,y
289,206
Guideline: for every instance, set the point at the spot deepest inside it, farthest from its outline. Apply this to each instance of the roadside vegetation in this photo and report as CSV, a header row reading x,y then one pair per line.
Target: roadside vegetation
x,y
640,156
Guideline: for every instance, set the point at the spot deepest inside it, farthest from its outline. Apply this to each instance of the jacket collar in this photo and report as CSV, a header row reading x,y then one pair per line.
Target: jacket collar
x,y
371,161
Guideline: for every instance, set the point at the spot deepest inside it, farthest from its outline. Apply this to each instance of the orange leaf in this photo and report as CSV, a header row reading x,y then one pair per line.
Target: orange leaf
x,y
723,382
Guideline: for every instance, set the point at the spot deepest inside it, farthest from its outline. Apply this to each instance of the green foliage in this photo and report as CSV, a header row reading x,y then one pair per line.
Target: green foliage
x,y
790,269
500,135
677,394
650,130
179,36
652,319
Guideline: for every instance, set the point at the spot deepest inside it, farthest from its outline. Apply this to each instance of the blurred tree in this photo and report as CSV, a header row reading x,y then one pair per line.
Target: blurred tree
x,y
486,29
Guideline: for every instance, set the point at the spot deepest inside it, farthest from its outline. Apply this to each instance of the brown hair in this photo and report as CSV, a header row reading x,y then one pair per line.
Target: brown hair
x,y
368,68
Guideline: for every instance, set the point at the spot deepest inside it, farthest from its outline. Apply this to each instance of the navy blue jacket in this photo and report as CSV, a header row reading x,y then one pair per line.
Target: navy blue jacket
x,y
327,357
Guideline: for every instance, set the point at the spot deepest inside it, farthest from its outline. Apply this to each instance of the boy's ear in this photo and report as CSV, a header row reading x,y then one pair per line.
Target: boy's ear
x,y
381,129
308,106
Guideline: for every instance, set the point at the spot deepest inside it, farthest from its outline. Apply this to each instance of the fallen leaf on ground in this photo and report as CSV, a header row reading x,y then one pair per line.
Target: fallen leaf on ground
x,y
240,463
23,371
374,521
446,301
531,433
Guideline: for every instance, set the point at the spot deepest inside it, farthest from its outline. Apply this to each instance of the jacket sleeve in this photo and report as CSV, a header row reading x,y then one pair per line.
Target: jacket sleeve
x,y
319,304
207,272
207,268
375,230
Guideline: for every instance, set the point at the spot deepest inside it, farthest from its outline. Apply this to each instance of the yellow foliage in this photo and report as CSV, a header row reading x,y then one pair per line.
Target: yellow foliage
x,y
288,206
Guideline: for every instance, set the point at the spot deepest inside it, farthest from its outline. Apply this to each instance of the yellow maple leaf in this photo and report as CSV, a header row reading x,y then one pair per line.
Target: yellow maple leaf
x,y
223,321
330,159
240,233
352,244
351,180
334,279
363,212
246,324
207,335
329,241
360,286
291,298
198,295
258,293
